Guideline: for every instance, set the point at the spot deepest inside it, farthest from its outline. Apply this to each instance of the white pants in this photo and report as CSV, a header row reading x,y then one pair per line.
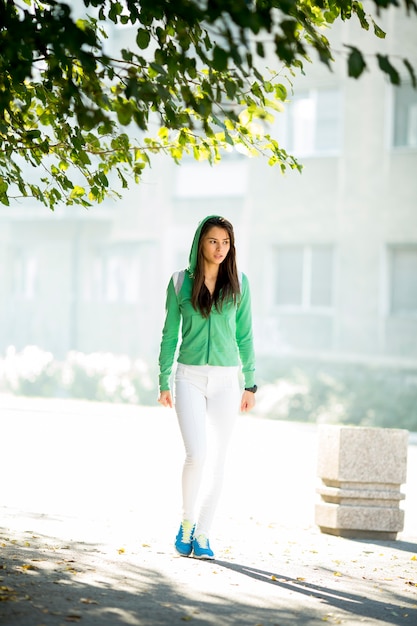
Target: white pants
x,y
206,396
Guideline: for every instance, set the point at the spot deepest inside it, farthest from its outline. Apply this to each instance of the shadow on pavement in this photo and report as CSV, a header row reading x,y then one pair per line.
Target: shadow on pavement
x,y
50,581
353,604
406,546
45,581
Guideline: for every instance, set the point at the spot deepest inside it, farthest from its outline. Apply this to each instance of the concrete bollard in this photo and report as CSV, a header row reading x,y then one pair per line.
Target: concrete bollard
x,y
362,470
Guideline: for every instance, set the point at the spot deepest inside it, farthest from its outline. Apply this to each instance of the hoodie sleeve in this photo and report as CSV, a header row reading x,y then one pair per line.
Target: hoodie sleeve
x,y
170,334
244,335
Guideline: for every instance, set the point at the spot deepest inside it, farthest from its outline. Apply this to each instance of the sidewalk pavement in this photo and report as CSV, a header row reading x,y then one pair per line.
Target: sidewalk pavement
x,y
91,504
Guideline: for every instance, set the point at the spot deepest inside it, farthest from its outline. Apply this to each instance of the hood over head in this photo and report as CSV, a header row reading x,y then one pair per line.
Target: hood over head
x,y
192,260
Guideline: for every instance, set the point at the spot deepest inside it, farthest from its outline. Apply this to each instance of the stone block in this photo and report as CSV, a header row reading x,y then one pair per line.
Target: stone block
x,y
361,472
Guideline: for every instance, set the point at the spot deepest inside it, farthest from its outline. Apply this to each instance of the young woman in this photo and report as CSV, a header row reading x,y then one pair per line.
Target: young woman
x,y
211,303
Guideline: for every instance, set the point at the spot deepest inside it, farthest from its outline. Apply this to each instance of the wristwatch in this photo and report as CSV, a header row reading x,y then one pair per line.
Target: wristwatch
x,y
253,389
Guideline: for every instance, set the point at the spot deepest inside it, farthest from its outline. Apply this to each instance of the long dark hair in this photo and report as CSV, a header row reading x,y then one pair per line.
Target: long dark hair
x,y
227,283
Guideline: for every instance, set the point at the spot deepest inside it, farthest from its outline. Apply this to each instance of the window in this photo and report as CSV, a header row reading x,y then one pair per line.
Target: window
x,y
405,117
290,276
25,275
314,123
115,275
304,277
403,274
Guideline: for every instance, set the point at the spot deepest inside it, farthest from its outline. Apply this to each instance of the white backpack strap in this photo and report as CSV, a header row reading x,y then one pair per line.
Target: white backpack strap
x,y
178,279
240,279
239,275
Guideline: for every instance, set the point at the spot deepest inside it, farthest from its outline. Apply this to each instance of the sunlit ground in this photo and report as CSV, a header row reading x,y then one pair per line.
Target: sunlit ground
x,y
112,472
91,504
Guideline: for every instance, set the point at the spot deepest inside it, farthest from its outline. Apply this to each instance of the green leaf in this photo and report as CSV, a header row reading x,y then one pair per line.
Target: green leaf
x,y
257,90
163,133
3,185
127,55
281,92
161,33
143,38
411,72
231,88
378,31
102,178
77,192
192,68
385,65
30,135
82,158
220,59
115,10
358,9
260,51
160,56
356,62
122,178
228,139
157,68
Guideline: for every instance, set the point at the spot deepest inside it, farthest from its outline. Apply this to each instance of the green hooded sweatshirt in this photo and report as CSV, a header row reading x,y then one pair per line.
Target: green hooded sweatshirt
x,y
223,338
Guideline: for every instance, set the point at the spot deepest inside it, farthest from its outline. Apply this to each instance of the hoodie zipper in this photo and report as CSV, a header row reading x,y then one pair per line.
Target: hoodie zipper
x,y
208,338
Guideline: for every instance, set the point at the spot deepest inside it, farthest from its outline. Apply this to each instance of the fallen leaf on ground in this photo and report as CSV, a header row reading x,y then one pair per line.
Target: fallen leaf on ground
x,y
88,601
7,594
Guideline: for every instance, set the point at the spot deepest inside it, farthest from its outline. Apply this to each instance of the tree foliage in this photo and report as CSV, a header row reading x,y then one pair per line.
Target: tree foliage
x,y
193,79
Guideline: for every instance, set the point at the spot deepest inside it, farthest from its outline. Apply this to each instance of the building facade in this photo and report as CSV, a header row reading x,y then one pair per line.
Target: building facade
x,y
331,254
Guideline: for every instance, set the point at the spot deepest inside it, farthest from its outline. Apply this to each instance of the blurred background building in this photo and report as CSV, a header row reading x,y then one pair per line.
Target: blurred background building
x,y
331,254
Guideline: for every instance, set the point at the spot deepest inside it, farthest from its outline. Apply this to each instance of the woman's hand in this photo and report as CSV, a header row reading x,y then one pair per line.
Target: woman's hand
x,y
248,401
165,398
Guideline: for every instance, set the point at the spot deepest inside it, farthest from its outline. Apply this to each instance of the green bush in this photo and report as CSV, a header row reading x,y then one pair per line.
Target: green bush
x,y
97,376
339,393
289,389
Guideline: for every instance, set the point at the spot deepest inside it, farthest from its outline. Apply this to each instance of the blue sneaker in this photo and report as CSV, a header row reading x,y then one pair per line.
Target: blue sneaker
x,y
201,548
184,539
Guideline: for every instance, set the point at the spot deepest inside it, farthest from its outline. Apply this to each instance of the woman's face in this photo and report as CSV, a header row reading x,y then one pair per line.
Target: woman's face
x,y
215,245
